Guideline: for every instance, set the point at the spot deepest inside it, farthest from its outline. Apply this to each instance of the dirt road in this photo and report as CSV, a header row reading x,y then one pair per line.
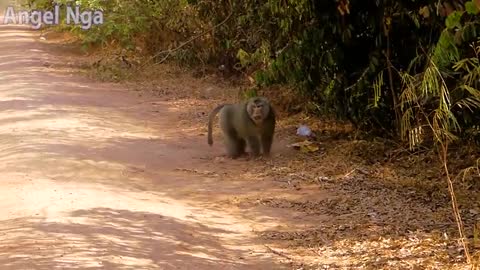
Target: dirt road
x,y
90,179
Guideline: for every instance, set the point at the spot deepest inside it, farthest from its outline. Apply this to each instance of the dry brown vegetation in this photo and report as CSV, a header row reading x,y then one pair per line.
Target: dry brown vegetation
x,y
359,202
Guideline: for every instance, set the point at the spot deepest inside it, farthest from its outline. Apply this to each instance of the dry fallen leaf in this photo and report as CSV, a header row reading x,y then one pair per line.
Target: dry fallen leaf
x,y
425,12
305,146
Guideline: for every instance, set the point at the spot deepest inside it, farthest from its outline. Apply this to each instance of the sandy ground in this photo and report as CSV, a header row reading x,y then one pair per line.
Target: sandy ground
x,y
109,176
93,178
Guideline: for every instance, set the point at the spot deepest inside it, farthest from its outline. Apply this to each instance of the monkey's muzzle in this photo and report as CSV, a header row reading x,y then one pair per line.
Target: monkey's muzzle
x,y
257,118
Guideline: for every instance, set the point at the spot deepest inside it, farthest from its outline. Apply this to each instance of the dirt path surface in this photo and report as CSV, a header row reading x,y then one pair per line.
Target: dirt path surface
x,y
92,178
120,176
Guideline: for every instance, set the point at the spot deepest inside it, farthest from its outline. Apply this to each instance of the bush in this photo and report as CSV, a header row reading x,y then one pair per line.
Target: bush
x,y
352,59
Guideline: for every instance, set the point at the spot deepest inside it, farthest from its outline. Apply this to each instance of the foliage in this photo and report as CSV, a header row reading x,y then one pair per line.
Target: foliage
x,y
444,97
408,67
365,61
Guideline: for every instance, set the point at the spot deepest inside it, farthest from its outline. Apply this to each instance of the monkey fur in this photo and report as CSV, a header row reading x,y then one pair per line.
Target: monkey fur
x,y
250,122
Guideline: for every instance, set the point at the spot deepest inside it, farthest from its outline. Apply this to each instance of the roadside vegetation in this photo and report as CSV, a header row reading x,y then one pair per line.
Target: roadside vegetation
x,y
403,75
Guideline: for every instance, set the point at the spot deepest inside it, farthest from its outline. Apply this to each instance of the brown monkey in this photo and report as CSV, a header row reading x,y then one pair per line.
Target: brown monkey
x,y
250,122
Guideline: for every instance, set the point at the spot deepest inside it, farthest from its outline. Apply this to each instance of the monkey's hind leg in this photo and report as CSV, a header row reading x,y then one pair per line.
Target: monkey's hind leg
x,y
234,144
235,147
254,145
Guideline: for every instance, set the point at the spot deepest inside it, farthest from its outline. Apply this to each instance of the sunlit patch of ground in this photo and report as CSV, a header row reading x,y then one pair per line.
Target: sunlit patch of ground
x,y
89,177
349,205
353,204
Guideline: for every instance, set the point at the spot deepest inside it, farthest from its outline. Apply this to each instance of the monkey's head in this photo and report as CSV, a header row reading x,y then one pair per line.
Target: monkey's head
x,y
258,109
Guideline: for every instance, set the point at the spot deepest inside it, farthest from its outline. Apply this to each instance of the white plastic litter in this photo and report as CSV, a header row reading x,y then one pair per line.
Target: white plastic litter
x,y
304,130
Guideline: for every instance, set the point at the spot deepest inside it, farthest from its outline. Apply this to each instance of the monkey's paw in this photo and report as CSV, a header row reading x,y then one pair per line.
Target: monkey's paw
x,y
220,159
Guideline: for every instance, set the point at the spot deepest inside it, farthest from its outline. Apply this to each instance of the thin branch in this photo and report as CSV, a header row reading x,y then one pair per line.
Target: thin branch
x,y
392,90
359,78
278,253
444,159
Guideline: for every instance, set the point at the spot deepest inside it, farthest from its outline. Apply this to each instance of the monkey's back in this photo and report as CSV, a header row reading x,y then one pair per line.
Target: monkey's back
x,y
234,120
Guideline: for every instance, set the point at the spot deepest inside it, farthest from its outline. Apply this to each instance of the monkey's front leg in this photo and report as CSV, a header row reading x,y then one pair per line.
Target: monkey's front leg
x,y
267,140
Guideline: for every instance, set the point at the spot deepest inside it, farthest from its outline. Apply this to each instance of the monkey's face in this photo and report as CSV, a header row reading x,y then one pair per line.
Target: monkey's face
x,y
258,111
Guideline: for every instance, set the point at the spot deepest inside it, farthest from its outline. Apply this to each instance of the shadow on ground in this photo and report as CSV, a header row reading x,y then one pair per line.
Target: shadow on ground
x,y
98,178
105,238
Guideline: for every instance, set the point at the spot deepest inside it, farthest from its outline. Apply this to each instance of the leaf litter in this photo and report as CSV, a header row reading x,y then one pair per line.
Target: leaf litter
x,y
383,215
387,209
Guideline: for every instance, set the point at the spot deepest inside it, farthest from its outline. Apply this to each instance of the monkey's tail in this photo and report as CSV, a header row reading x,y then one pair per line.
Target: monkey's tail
x,y
210,122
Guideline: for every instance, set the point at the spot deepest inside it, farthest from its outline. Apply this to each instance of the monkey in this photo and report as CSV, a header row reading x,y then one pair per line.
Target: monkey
x,y
250,122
